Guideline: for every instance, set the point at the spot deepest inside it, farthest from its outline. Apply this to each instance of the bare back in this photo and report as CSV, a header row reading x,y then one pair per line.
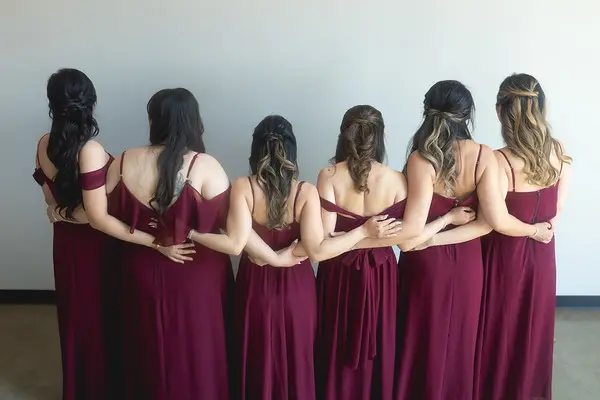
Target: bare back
x,y
258,202
467,154
514,178
386,187
140,174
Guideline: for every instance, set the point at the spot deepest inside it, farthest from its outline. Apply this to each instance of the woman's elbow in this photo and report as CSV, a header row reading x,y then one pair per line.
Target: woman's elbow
x,y
404,247
410,231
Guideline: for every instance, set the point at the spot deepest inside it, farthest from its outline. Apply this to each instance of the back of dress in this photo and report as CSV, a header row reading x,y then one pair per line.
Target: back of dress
x,y
175,315
517,329
357,296
275,322
439,301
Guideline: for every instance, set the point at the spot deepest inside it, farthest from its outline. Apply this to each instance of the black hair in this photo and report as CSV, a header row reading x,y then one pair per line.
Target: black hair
x,y
71,100
175,123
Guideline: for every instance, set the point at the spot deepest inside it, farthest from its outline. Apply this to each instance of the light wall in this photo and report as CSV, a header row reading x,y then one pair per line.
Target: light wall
x,y
308,60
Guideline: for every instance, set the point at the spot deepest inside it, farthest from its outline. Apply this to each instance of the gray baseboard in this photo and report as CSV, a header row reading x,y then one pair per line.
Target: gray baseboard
x,y
48,297
578,301
27,296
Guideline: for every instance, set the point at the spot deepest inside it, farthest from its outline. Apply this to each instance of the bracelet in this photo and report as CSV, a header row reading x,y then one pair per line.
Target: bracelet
x,y
189,235
444,221
536,232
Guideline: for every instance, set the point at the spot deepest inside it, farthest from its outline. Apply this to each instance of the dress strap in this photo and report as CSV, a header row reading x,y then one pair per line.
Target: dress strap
x,y
252,190
191,166
512,171
121,164
296,197
477,165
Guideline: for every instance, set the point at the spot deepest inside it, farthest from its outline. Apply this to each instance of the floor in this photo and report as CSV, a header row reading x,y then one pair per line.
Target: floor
x,y
30,359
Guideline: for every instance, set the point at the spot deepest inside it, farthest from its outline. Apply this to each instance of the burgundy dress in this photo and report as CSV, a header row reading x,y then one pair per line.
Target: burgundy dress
x,y
517,325
175,316
275,324
439,303
356,334
81,297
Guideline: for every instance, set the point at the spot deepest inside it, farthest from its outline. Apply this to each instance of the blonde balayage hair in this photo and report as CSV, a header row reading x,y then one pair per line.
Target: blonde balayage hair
x,y
521,106
273,161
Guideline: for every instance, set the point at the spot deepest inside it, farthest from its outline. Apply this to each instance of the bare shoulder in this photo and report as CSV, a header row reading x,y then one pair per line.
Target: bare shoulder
x,y
416,163
241,183
306,191
327,173
92,148
500,155
92,157
206,166
207,160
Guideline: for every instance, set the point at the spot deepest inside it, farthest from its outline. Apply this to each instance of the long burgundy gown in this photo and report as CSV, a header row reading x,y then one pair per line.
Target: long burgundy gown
x,y
81,298
275,324
356,331
516,341
439,303
175,316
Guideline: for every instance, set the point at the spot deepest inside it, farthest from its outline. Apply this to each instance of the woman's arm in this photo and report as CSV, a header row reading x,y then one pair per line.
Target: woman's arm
x,y
563,189
421,179
239,223
319,248
492,201
457,216
92,158
465,233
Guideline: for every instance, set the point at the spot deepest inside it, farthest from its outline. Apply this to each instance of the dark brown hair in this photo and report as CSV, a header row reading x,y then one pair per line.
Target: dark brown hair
x,y
447,116
273,161
361,141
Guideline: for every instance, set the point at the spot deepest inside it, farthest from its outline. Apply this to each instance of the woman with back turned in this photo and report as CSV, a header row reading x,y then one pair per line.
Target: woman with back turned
x,y
440,286
357,291
275,307
175,309
517,325
71,167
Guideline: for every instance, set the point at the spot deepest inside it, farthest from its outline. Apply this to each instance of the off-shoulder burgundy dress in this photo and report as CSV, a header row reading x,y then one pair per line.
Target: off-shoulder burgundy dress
x,y
516,341
439,303
175,316
356,331
78,255
275,324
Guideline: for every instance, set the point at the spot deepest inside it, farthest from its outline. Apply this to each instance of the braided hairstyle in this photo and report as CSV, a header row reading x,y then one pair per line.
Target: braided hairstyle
x,y
273,161
71,100
360,143
448,110
521,104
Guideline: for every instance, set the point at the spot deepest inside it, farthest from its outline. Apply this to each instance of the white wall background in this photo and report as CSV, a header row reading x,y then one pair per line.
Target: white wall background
x,y
308,60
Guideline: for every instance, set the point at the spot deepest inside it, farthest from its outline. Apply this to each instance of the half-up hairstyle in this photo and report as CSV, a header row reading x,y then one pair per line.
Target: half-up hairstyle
x,y
448,110
71,99
273,161
521,105
360,143
175,123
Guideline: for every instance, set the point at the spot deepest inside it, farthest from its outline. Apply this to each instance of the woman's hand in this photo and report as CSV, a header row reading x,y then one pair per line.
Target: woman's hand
x,y
286,257
425,244
543,232
52,214
380,226
460,216
177,252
